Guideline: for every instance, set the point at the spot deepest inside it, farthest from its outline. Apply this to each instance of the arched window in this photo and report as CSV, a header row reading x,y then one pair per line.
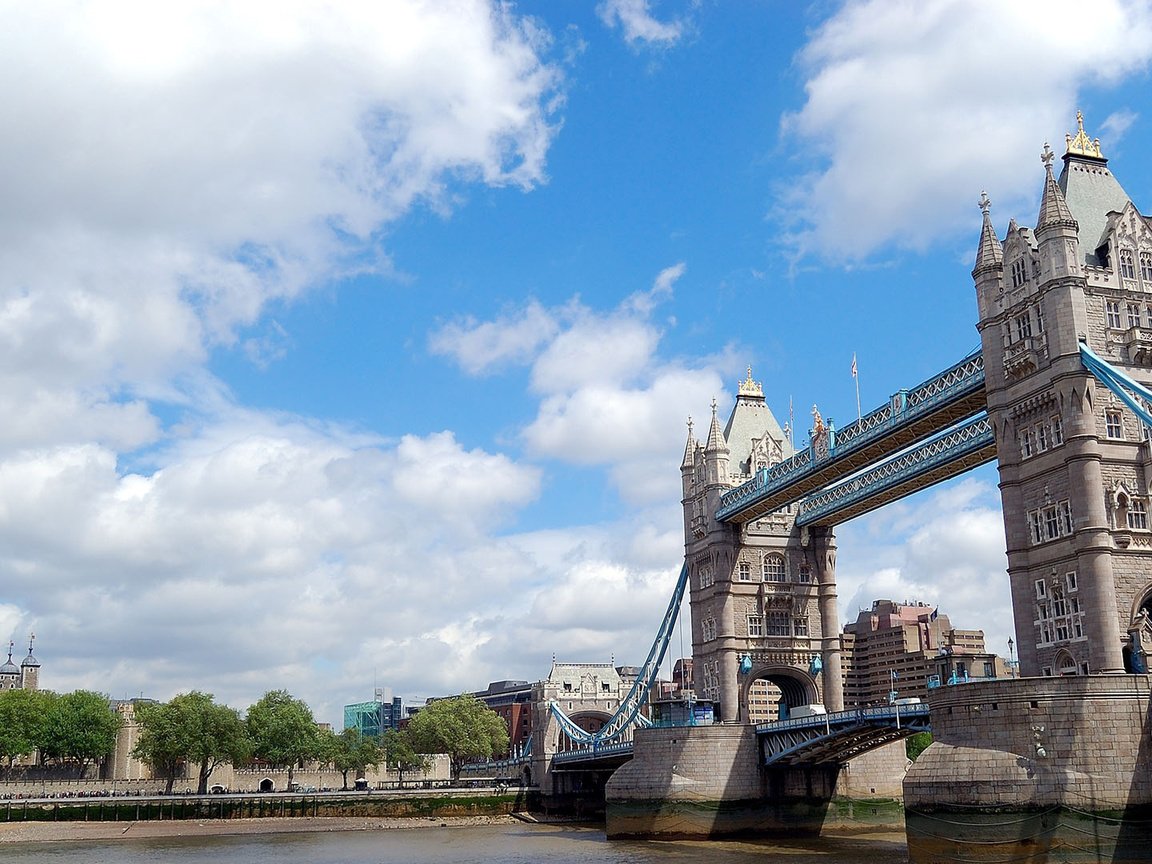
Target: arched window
x,y
1146,268
774,570
1127,264
744,571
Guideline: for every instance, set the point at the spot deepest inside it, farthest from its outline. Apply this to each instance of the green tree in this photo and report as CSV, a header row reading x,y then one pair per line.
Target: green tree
x,y
916,744
191,729
23,715
354,752
283,731
80,726
398,749
463,727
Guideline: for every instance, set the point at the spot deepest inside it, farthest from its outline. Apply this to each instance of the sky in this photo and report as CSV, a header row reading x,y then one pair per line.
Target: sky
x,y
348,345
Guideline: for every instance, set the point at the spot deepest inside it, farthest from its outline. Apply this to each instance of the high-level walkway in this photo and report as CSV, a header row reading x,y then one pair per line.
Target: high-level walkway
x,y
910,417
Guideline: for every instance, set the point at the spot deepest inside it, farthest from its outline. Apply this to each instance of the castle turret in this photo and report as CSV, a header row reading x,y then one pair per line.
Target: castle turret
x,y
30,667
9,672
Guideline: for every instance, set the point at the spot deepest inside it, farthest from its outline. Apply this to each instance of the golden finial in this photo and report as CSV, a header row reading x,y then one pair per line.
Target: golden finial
x,y
1081,145
748,387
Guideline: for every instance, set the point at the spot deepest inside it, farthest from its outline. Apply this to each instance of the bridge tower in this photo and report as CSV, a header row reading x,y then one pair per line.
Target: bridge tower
x,y
762,594
1075,464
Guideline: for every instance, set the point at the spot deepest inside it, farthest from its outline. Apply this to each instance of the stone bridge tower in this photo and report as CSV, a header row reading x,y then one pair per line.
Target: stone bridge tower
x,y
763,594
1075,464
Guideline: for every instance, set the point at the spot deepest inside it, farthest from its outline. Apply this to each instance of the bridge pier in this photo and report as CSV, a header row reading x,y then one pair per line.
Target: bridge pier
x,y
1037,769
707,781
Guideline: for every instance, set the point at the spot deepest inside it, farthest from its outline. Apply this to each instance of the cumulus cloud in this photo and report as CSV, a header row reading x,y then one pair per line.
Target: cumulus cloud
x,y
607,396
910,110
637,22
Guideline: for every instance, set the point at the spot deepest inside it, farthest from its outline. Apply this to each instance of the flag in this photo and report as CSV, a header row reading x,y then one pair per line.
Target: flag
x,y
853,364
934,615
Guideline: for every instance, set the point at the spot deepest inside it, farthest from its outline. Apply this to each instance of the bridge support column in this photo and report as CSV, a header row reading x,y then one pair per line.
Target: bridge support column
x,y
823,543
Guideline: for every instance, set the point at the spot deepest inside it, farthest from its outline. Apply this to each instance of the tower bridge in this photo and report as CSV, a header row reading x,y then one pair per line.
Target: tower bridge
x,y
1058,396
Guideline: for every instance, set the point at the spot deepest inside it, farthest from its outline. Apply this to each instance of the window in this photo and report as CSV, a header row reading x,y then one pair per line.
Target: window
x,y
1037,533
1039,319
1023,326
1042,437
1027,448
1065,509
707,576
755,626
1019,274
1041,589
1112,310
708,629
774,568
1137,515
1051,523
1062,632
1133,314
745,571
1057,431
1127,265
1146,267
800,626
1114,424
805,573
1070,581
777,623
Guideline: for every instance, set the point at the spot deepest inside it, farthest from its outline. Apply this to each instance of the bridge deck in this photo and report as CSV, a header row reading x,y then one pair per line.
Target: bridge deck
x,y
836,738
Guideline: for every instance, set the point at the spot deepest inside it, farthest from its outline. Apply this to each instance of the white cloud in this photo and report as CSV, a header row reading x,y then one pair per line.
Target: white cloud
x,y
637,22
912,109
480,347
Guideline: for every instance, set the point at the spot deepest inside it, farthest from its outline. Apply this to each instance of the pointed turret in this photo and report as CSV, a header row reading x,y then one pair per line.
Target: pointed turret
x,y
1054,208
1090,191
1057,231
716,451
990,254
689,449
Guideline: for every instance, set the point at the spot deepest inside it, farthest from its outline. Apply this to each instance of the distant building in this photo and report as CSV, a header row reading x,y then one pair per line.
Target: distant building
x,y
902,647
26,676
372,719
512,700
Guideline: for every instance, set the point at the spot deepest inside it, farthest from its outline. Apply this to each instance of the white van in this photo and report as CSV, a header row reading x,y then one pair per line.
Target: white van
x,y
801,711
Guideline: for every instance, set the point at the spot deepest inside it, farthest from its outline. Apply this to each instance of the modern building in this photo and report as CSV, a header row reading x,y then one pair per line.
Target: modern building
x,y
374,718
26,676
905,648
512,700
1074,458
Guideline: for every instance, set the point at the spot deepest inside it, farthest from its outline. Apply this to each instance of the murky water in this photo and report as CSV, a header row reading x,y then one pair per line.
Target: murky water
x,y
501,844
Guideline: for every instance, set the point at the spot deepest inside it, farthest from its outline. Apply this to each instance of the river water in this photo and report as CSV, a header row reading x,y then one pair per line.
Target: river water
x,y
495,844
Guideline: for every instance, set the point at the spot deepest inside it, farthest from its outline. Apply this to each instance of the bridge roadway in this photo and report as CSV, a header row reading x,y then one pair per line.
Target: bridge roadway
x,y
820,739
910,417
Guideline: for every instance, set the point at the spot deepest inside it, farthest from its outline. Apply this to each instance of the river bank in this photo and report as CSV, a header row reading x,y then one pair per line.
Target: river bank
x,y
42,832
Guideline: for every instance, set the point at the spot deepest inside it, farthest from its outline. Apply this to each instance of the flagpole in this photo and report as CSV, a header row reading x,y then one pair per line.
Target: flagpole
x,y
856,378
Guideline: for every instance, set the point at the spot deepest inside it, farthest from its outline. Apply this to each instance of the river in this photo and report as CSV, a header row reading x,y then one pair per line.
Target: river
x,y
494,844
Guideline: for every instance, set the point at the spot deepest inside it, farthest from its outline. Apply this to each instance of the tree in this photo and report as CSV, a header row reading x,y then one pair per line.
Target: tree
x,y
398,749
916,744
191,729
81,726
282,730
463,727
354,752
23,714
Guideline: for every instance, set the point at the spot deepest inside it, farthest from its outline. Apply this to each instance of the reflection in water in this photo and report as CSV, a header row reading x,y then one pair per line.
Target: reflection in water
x,y
497,844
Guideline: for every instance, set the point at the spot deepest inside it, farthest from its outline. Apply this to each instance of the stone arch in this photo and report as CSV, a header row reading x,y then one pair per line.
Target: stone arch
x,y
1065,663
267,785
789,686
1137,652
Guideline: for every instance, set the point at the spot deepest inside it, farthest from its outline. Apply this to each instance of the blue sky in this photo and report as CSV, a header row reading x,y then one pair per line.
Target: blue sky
x,y
354,344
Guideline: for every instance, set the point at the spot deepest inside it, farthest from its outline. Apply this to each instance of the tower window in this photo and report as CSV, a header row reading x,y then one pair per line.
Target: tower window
x,y
1023,326
1057,430
1019,273
1112,312
744,570
1146,268
1137,515
1127,265
1133,314
774,568
1114,425
755,626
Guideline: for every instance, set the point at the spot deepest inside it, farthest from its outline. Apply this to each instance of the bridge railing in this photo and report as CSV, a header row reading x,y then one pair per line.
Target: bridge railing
x,y
857,716
593,752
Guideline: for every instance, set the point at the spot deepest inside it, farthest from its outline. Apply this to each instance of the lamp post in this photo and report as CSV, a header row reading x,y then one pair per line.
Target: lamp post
x,y
1011,658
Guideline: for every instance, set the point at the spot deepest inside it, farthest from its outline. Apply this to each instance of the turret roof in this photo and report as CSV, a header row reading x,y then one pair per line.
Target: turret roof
x,y
1053,206
990,254
1090,190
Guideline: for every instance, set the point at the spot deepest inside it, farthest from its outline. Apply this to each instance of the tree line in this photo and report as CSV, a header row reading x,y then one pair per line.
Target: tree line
x,y
192,733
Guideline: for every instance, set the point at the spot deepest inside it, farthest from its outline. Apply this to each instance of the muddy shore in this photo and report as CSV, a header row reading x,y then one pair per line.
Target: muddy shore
x,y
41,832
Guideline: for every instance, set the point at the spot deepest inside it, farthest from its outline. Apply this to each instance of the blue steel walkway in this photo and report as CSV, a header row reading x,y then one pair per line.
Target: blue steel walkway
x,y
911,416
836,738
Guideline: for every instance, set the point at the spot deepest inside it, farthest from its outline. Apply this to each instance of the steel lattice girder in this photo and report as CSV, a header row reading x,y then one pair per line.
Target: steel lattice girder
x,y
939,403
947,456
